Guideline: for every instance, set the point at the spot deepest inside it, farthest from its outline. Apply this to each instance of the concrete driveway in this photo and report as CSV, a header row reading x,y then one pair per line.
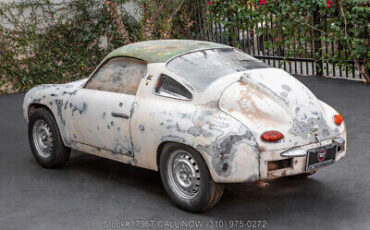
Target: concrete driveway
x,y
95,193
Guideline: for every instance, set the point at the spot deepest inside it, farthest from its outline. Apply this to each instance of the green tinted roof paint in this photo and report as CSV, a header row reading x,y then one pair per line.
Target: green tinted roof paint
x,y
161,51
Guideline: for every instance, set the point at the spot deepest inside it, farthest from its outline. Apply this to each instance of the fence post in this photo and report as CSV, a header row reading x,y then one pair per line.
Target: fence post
x,y
317,55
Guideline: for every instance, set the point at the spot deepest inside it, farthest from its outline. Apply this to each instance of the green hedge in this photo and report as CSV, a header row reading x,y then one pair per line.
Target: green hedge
x,y
342,25
44,42
51,42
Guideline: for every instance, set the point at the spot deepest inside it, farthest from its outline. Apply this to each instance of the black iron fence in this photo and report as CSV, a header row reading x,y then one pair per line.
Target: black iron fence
x,y
311,58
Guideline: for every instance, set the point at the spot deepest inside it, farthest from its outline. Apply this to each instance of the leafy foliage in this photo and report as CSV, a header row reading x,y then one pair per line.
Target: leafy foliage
x,y
39,44
44,42
336,31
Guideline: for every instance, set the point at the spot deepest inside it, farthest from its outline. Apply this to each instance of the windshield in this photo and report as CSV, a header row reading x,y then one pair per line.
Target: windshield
x,y
201,68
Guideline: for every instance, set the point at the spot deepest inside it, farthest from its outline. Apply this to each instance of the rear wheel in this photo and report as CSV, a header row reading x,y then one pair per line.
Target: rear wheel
x,y
187,180
45,141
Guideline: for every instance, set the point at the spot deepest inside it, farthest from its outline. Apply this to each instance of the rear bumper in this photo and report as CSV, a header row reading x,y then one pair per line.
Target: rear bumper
x,y
274,165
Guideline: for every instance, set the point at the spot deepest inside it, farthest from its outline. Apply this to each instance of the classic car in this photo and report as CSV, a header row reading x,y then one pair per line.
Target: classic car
x,y
202,114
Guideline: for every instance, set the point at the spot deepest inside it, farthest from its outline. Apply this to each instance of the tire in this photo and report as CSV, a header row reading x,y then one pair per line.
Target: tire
x,y
174,160
45,141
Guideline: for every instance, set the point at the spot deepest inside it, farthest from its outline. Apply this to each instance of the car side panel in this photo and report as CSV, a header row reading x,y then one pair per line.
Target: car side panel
x,y
226,145
94,124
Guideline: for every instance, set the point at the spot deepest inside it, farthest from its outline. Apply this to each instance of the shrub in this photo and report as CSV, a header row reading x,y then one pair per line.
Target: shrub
x,y
343,26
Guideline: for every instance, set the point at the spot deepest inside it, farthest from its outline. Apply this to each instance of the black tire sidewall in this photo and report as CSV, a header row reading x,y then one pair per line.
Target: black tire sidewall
x,y
202,200
59,152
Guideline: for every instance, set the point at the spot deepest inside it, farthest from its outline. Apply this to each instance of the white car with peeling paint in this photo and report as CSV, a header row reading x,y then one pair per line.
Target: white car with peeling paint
x,y
201,113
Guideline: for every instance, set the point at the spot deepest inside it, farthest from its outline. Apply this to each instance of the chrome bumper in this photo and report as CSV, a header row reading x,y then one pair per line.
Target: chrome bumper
x,y
278,163
299,152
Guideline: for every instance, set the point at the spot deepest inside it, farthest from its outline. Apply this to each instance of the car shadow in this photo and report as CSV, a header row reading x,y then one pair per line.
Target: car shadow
x,y
284,196
102,169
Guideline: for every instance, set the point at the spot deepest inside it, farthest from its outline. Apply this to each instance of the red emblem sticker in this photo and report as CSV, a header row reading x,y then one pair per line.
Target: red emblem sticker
x,y
321,154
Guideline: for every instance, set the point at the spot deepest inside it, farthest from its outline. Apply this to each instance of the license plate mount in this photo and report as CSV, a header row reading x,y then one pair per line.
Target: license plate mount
x,y
320,157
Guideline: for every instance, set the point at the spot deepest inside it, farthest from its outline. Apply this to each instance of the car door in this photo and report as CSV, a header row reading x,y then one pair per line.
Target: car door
x,y
100,111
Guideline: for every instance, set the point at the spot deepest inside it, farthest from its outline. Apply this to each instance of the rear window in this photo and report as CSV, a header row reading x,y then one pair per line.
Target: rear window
x,y
201,68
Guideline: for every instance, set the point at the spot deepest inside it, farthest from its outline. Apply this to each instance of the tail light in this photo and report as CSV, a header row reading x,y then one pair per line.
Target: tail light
x,y
338,119
271,136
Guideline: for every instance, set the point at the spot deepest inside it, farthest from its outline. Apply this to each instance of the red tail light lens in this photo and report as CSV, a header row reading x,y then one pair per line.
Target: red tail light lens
x,y
272,136
338,119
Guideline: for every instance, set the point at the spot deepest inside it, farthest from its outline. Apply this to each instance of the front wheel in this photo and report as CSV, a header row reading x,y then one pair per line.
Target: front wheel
x,y
45,141
186,178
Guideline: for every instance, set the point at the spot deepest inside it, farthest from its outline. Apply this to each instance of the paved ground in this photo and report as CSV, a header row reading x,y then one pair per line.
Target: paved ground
x,y
92,193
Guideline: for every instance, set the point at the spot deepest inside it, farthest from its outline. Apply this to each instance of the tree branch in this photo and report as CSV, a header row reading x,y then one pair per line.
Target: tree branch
x,y
149,22
355,60
312,27
168,22
112,8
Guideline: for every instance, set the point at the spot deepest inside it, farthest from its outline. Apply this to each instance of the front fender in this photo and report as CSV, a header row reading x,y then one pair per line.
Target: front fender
x,y
50,98
55,98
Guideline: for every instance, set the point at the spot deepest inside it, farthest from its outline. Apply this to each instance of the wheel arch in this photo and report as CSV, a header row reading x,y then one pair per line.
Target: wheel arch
x,y
164,143
246,162
34,106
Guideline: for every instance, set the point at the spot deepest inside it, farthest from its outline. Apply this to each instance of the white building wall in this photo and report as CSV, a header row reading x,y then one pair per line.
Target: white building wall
x,y
131,7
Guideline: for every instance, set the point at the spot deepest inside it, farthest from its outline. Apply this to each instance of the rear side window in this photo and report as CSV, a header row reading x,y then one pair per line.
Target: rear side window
x,y
120,75
166,86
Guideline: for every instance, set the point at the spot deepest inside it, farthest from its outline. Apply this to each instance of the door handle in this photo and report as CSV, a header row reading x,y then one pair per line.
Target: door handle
x,y
122,115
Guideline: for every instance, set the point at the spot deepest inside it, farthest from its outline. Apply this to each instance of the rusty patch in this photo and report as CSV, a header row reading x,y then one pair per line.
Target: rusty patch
x,y
272,165
250,109
262,148
279,164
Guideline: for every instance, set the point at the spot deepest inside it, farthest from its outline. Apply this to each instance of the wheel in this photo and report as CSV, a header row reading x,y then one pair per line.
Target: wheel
x,y
45,141
186,178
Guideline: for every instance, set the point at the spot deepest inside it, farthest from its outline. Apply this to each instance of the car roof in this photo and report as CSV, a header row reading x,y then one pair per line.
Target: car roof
x,y
161,51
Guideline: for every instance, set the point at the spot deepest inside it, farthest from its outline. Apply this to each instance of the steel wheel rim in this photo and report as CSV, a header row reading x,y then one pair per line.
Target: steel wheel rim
x,y
184,174
42,138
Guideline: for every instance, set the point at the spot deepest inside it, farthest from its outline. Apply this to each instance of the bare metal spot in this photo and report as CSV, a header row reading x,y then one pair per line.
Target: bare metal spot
x,y
59,104
286,88
80,108
284,94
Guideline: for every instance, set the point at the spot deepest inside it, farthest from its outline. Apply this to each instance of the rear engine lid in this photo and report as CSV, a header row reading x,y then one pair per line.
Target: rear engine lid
x,y
271,99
